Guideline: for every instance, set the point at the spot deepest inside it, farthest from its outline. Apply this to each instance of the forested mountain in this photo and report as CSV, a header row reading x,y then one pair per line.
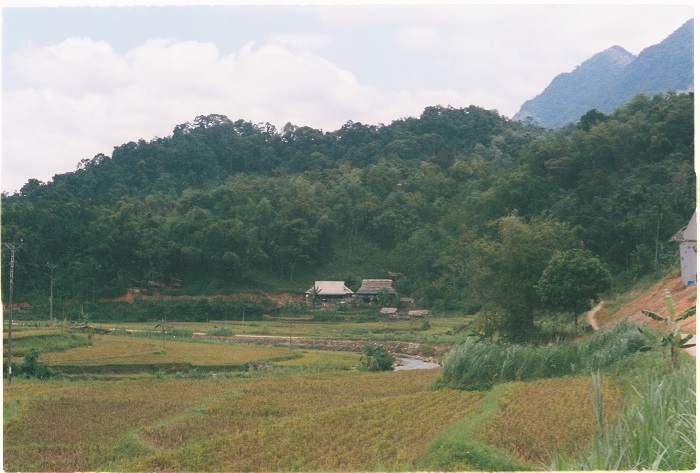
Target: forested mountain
x,y
464,202
611,78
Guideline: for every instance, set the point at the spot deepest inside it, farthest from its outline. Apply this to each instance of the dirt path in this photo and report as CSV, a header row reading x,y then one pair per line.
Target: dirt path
x,y
591,316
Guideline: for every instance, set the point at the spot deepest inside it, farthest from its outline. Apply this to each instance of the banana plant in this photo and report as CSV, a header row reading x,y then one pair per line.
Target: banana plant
x,y
674,341
314,297
164,328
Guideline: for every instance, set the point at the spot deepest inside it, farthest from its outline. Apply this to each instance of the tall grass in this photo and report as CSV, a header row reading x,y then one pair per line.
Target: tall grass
x,y
656,430
478,364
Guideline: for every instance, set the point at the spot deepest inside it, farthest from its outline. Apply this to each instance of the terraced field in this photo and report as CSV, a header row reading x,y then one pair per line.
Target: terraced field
x,y
143,404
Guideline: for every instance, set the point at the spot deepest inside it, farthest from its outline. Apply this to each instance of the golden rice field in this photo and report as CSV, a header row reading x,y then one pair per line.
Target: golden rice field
x,y
131,350
387,433
134,352
300,410
262,402
542,417
71,426
92,425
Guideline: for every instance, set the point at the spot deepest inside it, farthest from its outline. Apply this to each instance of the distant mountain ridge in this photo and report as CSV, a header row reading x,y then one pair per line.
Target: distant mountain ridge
x,y
612,77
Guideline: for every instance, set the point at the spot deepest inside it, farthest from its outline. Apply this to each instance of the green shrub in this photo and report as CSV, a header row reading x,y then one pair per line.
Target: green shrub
x,y
220,332
31,368
376,358
181,332
119,331
477,364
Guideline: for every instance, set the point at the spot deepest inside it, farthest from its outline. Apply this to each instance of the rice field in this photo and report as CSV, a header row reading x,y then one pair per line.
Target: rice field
x,y
446,328
134,351
544,417
73,426
384,433
293,409
261,402
137,424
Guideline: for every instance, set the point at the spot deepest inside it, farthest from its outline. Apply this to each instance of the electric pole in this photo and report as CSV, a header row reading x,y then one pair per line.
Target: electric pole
x,y
13,248
51,267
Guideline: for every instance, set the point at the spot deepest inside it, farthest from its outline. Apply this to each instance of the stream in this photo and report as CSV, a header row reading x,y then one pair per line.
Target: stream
x,y
413,364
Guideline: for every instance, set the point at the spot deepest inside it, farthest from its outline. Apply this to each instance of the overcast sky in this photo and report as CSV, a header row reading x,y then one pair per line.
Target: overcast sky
x,y
78,81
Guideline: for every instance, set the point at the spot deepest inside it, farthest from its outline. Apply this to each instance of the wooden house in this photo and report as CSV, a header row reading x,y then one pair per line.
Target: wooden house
x,y
370,288
330,292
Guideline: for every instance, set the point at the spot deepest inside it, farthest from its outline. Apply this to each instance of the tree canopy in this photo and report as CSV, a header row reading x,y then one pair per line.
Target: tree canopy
x,y
572,280
467,204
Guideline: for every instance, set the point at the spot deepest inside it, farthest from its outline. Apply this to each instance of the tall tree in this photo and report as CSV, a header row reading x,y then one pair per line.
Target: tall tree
x,y
572,280
504,270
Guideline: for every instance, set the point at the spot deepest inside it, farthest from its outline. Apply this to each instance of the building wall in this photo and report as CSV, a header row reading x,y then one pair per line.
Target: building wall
x,y
689,262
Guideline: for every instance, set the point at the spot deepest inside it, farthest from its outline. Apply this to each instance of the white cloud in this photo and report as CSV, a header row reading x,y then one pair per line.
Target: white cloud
x,y
417,38
308,42
79,96
75,66
82,98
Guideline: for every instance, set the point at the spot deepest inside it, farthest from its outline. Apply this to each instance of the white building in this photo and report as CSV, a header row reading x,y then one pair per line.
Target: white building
x,y
688,238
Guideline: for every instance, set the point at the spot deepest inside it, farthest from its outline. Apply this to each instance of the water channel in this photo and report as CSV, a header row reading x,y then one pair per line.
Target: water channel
x,y
413,364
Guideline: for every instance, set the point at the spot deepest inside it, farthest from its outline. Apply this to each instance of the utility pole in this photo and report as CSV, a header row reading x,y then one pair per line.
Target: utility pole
x,y
13,248
51,267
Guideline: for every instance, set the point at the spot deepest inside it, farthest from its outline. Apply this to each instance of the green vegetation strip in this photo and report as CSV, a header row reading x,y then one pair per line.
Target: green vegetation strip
x,y
455,448
47,342
478,364
9,410
131,368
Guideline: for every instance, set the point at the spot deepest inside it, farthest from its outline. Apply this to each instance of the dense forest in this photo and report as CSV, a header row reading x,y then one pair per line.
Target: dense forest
x,y
465,203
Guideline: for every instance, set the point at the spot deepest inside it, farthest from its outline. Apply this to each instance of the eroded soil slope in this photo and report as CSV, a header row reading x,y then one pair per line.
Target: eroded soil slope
x,y
652,299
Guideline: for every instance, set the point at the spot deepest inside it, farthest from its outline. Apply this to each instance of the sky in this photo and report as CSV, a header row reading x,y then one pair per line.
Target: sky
x,y
80,80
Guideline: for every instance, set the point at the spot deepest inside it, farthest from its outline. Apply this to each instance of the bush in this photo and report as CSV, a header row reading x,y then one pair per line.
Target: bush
x,y
376,358
220,332
31,368
181,332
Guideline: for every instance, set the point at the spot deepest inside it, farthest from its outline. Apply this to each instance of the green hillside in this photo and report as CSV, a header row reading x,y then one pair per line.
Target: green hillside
x,y
462,202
